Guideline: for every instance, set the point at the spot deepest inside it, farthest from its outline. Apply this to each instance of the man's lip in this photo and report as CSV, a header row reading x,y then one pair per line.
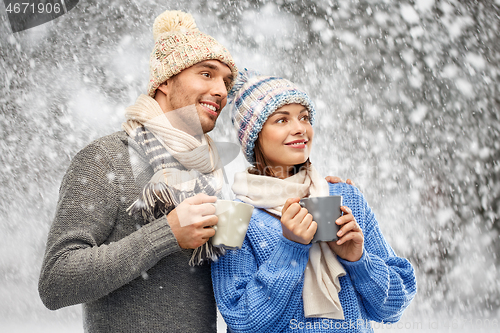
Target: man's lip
x,y
215,105
210,111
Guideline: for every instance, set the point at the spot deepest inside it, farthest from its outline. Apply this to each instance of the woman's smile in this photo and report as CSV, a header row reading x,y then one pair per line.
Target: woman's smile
x,y
297,144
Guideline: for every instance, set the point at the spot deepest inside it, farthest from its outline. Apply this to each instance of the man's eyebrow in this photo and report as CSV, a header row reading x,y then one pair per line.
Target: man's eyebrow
x,y
229,77
207,65
211,66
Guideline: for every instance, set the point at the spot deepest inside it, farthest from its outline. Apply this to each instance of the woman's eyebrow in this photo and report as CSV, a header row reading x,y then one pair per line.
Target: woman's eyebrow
x,y
280,112
288,113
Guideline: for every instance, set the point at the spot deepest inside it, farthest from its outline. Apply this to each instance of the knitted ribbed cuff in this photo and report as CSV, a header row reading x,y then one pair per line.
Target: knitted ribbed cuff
x,y
161,237
358,270
288,252
296,246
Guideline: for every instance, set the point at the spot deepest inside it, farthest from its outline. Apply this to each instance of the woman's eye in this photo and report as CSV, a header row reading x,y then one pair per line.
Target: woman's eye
x,y
280,121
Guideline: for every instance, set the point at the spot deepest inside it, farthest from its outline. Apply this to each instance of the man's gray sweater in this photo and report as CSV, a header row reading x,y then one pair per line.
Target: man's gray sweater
x,y
131,276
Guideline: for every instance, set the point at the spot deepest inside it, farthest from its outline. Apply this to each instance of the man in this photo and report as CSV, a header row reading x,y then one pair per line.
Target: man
x,y
123,256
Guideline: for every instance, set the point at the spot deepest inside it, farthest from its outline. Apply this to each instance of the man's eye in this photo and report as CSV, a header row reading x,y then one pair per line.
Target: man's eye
x,y
206,74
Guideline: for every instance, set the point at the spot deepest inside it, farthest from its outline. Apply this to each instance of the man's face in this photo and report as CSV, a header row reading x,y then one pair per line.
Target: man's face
x,y
203,85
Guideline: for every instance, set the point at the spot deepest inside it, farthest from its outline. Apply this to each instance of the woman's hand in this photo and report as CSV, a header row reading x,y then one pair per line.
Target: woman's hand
x,y
333,180
350,244
297,223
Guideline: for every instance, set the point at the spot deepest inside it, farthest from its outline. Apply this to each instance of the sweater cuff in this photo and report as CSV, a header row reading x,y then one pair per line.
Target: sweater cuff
x,y
294,246
161,237
359,271
288,252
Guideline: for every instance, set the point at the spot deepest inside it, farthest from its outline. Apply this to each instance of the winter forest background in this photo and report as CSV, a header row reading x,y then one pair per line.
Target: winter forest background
x,y
408,99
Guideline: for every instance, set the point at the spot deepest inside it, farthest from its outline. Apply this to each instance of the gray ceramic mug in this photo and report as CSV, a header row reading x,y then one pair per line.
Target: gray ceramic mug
x,y
325,211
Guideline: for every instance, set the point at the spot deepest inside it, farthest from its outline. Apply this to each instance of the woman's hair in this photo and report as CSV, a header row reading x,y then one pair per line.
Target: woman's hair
x,y
261,165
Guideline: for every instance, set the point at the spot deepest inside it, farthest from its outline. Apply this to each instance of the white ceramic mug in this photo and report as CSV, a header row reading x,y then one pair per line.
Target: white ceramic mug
x,y
234,217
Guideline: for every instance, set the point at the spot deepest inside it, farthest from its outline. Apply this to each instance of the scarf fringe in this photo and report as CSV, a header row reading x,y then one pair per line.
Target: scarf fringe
x,y
205,253
156,199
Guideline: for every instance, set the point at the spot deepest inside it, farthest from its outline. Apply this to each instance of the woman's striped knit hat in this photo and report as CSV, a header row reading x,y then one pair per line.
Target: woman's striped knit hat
x,y
254,98
179,45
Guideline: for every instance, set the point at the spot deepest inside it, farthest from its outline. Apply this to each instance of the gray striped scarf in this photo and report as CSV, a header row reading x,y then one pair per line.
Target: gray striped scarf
x,y
183,166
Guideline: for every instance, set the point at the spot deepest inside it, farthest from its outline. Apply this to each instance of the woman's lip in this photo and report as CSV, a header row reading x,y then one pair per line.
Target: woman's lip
x,y
297,144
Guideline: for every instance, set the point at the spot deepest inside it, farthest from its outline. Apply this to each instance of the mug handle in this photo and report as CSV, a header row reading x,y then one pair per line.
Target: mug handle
x,y
215,205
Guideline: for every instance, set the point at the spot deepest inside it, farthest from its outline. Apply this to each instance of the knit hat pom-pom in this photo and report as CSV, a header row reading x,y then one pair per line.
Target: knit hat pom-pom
x,y
173,20
242,78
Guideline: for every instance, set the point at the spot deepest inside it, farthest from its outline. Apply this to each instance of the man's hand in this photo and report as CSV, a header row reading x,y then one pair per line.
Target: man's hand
x,y
351,239
297,223
192,220
333,180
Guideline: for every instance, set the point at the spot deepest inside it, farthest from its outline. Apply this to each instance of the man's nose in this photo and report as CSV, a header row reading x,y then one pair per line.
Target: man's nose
x,y
219,88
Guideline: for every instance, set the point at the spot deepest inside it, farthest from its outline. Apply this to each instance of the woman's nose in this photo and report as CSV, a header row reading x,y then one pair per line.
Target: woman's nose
x,y
298,127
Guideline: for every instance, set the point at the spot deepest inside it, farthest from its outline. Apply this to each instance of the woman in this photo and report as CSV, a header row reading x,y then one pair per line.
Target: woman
x,y
278,281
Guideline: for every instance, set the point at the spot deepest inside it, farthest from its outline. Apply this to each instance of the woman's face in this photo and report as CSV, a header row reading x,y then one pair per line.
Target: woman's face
x,y
286,138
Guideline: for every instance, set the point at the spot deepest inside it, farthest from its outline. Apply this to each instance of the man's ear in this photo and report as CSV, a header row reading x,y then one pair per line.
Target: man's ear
x,y
163,87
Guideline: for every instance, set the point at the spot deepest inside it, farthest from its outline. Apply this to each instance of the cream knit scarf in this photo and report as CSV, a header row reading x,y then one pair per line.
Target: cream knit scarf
x,y
321,277
183,165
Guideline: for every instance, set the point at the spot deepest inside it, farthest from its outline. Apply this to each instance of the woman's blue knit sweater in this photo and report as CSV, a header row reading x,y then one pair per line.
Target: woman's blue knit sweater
x,y
259,287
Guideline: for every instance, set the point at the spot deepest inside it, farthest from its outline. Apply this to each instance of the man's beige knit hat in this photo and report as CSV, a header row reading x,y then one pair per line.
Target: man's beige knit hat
x,y
179,45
